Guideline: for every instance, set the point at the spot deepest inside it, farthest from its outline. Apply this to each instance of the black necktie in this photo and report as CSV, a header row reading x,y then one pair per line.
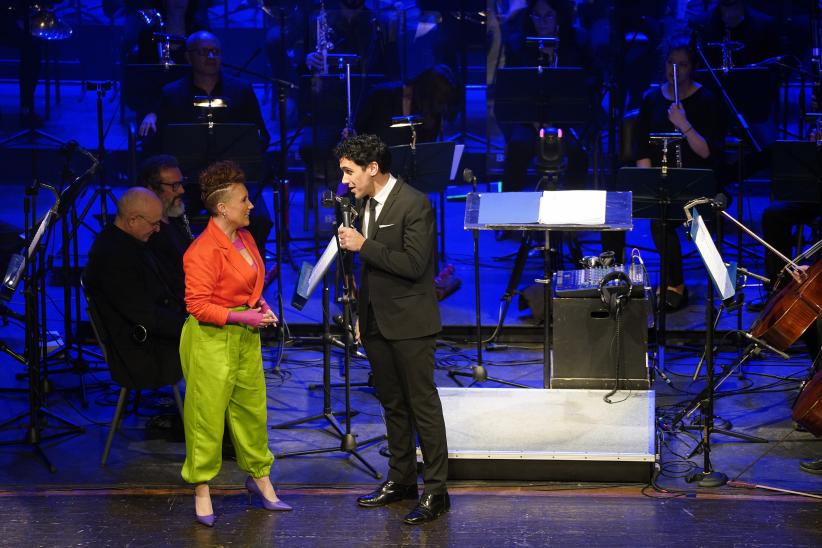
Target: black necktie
x,y
372,218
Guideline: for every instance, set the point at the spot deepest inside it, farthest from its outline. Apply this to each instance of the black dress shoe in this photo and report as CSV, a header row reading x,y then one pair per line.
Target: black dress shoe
x,y
812,466
387,493
429,508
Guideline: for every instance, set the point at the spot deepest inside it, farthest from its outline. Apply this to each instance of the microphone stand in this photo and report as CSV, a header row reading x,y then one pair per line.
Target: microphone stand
x,y
740,152
30,266
348,442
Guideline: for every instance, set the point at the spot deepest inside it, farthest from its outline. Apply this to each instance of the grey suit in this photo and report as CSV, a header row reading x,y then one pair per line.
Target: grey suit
x,y
399,319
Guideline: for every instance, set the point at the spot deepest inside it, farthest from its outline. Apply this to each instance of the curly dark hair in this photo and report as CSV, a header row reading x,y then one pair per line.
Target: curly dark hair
x,y
364,149
151,169
217,178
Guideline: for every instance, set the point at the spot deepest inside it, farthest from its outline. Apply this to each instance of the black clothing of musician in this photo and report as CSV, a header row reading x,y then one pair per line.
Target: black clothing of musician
x,y
705,115
141,314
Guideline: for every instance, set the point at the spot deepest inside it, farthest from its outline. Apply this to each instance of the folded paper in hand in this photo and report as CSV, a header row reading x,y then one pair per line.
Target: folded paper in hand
x,y
572,207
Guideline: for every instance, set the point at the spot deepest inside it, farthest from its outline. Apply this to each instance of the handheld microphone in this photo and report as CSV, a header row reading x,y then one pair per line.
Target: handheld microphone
x,y
345,211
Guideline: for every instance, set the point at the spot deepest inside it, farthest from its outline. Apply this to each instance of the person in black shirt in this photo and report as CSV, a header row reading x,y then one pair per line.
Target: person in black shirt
x,y
699,117
142,316
177,103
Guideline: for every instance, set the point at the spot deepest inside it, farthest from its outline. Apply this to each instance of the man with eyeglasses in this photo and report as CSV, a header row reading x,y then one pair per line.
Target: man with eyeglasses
x,y
163,176
141,314
176,106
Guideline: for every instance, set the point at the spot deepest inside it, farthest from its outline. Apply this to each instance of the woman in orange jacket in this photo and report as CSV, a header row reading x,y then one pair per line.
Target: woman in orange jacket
x,y
220,344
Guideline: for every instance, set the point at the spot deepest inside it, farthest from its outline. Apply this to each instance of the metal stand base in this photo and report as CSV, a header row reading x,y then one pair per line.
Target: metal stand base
x,y
479,374
34,437
708,479
348,442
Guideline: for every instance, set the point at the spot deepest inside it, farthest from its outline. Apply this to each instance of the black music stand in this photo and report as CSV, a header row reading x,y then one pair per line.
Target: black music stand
x,y
197,145
426,167
661,197
797,172
542,95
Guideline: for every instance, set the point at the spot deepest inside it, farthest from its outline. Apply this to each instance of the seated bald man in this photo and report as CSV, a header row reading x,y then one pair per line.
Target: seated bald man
x,y
137,306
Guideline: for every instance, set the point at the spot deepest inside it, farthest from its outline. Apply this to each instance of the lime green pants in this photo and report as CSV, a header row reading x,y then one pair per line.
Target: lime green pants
x,y
223,368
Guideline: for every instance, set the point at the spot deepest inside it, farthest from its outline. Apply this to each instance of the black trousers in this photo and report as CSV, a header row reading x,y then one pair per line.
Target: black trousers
x,y
615,241
404,379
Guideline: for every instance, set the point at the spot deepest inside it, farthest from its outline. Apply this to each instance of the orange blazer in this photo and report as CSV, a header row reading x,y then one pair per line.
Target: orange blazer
x,y
218,277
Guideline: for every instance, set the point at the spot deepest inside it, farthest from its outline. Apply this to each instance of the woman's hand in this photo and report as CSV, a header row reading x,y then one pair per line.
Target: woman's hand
x,y
269,319
676,114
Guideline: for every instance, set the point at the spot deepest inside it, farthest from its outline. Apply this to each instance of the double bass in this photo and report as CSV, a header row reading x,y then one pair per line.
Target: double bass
x,y
786,316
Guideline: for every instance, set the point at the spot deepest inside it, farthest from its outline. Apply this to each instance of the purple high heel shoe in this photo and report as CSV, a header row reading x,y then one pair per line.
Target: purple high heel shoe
x,y
278,506
208,520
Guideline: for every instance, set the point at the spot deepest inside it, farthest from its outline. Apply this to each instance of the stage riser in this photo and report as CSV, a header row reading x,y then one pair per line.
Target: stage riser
x,y
549,435
577,471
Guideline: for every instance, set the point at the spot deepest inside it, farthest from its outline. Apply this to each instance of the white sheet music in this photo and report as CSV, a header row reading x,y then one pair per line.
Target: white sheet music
x,y
455,162
572,207
711,257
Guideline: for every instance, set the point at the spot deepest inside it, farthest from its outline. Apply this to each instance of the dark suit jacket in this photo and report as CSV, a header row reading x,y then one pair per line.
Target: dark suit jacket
x,y
125,283
398,264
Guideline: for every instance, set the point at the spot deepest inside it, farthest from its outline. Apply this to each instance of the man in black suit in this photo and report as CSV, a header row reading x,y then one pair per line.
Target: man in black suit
x,y
139,311
399,320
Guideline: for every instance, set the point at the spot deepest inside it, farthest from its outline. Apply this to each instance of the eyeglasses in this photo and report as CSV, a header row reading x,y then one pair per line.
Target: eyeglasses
x,y
155,224
205,52
175,186
549,16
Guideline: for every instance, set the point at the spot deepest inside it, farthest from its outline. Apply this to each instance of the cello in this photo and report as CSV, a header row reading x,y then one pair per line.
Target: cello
x,y
786,316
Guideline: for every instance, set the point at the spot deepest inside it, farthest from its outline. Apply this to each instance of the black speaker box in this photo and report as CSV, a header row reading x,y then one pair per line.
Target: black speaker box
x,y
585,344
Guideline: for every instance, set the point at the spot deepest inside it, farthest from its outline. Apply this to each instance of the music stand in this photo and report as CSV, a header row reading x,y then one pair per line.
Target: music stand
x,y
797,175
327,99
428,167
197,145
661,198
520,211
542,95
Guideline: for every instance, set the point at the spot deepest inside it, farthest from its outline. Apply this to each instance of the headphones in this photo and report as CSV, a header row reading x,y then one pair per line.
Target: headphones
x,y
606,259
615,296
